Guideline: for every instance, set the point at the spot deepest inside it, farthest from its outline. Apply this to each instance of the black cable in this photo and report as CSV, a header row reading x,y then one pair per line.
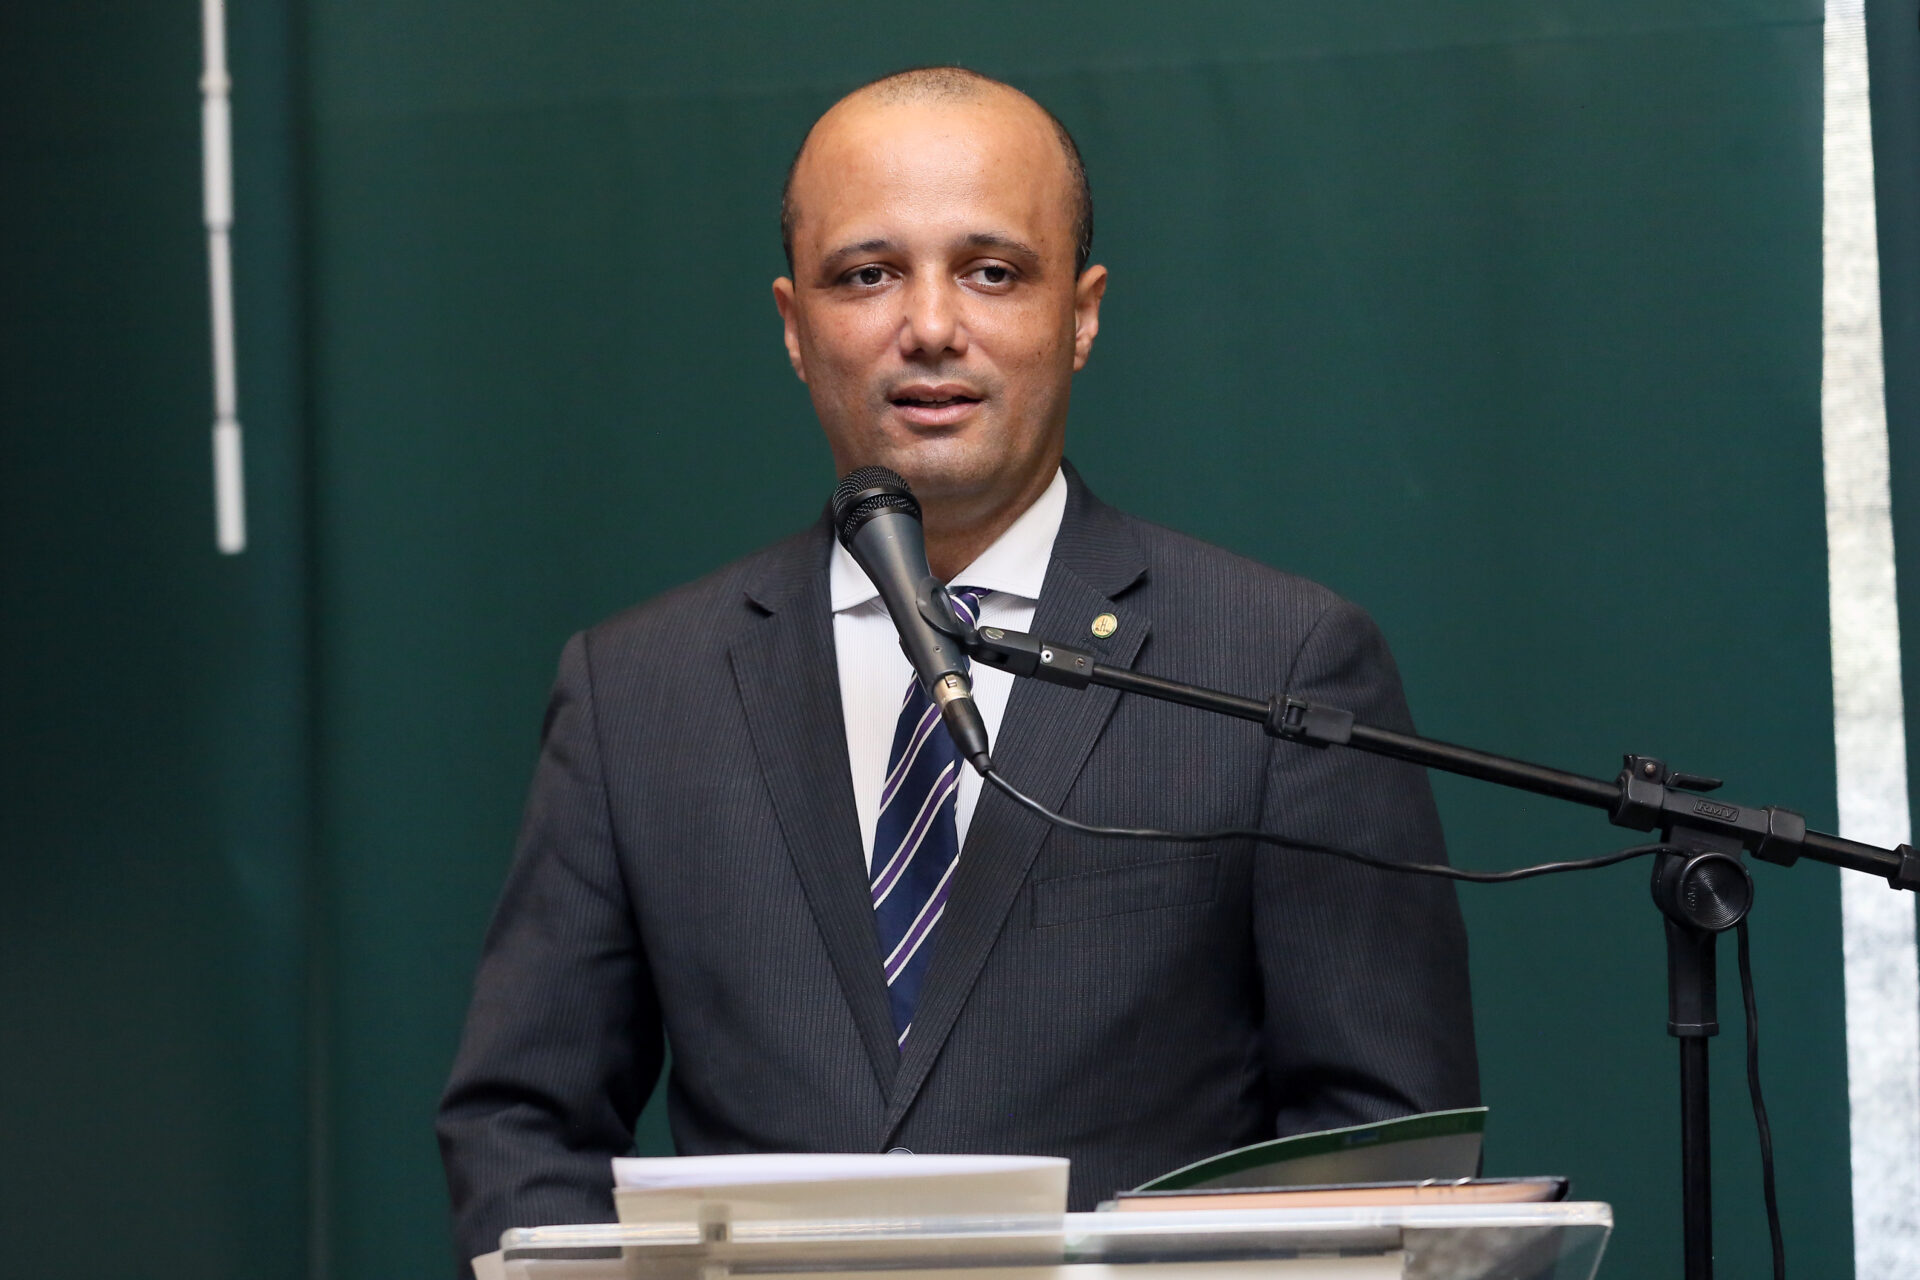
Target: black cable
x,y
1759,1105
1027,802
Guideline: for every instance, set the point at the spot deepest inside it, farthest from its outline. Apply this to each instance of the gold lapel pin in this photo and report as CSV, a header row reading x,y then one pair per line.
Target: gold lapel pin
x,y
1105,625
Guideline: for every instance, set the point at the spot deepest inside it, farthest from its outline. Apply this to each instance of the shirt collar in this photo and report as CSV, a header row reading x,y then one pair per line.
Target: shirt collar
x,y
1016,563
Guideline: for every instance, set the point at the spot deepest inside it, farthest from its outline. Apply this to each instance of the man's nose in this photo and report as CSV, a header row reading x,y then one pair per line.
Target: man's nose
x,y
932,325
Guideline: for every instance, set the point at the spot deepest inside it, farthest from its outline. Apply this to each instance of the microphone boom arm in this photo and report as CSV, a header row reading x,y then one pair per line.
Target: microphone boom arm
x,y
1645,794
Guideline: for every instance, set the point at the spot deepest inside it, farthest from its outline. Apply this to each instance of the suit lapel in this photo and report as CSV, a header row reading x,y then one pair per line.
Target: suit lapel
x,y
784,667
1044,740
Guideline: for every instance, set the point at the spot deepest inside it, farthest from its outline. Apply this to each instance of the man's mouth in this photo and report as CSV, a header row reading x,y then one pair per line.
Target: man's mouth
x,y
934,397
935,405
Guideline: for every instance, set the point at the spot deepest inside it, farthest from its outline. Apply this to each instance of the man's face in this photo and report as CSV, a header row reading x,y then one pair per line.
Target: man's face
x,y
934,312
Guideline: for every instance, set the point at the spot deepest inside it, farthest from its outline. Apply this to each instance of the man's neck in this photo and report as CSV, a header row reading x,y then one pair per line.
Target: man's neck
x,y
956,540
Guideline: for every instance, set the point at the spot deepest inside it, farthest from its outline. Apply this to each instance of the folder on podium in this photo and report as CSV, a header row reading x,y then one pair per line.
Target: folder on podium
x,y
1541,1241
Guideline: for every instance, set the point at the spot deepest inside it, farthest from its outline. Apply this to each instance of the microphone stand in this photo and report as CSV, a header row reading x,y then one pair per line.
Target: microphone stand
x,y
1701,886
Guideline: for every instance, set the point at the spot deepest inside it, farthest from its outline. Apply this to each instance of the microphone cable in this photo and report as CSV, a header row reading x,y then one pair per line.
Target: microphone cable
x,y
1760,1124
1441,870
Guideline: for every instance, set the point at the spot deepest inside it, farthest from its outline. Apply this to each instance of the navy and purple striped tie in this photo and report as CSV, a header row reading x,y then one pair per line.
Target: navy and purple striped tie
x,y
915,843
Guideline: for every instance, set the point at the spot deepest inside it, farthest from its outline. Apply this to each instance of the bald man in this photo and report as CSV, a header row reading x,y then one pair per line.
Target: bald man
x,y
747,839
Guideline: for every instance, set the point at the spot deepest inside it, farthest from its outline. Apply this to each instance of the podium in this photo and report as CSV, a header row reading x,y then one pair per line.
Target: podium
x,y
1439,1242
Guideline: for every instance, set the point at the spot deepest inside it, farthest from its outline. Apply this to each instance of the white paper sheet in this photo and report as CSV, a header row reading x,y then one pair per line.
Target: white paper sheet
x,y
758,1170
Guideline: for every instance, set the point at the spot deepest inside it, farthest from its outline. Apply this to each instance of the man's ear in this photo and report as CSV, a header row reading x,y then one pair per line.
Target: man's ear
x,y
1087,293
790,323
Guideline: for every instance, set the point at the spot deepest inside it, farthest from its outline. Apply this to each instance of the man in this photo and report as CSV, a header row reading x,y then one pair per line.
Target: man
x,y
716,832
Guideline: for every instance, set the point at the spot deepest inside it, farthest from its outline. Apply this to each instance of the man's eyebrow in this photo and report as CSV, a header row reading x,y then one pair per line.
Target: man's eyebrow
x,y
833,260
1003,244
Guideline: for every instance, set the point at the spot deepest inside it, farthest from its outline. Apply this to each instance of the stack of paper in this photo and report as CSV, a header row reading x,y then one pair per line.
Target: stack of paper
x,y
746,1188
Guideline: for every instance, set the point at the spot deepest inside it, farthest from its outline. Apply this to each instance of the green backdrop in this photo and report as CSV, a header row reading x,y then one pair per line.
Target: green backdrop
x,y
1501,318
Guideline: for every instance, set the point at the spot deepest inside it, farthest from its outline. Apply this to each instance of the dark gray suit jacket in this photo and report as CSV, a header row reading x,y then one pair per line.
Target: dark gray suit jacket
x,y
690,873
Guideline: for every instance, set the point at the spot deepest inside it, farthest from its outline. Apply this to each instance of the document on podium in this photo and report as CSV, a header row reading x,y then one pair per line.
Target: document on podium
x,y
1434,1145
773,1187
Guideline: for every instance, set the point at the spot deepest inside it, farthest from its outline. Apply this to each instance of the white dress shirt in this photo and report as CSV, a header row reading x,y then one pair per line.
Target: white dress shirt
x,y
874,672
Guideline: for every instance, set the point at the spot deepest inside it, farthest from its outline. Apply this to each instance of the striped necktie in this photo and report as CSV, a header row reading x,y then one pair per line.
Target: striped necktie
x,y
915,843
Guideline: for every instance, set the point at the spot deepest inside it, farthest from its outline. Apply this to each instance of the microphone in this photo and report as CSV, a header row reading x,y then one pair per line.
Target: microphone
x,y
878,522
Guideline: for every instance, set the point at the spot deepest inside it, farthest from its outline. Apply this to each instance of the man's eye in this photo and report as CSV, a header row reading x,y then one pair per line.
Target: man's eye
x,y
869,276
994,274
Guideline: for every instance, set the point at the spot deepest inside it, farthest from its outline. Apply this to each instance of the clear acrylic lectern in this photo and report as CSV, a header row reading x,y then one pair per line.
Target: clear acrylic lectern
x,y
1442,1242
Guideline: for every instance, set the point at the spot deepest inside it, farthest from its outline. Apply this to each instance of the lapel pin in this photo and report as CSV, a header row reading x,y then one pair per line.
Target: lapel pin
x,y
1105,625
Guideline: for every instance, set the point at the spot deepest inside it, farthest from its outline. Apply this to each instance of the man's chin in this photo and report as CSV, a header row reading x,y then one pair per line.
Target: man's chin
x,y
959,470
945,476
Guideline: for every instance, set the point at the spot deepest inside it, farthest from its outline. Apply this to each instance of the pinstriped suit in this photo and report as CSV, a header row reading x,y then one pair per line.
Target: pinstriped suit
x,y
690,866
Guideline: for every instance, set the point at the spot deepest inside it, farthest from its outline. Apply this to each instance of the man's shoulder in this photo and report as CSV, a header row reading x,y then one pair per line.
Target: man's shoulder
x,y
1192,572
712,607
1221,618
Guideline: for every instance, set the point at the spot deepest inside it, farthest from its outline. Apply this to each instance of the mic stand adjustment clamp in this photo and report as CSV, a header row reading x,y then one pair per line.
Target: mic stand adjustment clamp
x,y
1026,655
1908,876
1651,795
1298,720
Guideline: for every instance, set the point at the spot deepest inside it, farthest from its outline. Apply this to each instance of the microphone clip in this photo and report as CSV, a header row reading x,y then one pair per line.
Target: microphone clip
x,y
936,608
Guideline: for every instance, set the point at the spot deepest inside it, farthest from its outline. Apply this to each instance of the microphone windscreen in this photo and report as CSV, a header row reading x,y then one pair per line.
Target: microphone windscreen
x,y
864,494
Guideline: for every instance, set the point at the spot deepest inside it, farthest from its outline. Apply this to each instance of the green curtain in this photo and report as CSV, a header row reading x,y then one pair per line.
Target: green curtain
x,y
1502,319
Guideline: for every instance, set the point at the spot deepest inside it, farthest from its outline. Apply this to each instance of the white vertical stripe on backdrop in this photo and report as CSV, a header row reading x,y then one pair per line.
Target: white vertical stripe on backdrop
x,y
216,159
1869,724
